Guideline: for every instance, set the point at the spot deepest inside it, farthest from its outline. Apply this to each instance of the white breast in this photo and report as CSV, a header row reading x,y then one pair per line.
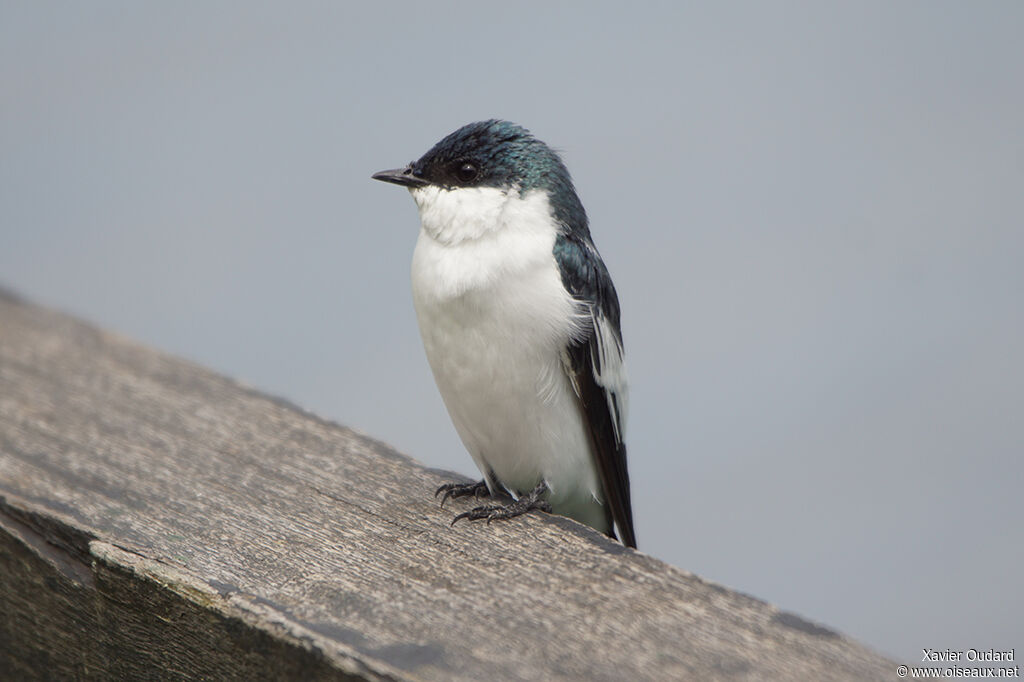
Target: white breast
x,y
495,319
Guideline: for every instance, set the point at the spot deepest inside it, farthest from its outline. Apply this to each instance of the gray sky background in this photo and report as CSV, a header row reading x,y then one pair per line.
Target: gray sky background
x,y
813,213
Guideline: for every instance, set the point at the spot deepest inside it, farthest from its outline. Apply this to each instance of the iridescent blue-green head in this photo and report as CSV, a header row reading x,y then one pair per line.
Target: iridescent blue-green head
x,y
496,154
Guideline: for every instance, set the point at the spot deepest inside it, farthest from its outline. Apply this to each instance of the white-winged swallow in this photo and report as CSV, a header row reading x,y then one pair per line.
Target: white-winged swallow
x,y
520,322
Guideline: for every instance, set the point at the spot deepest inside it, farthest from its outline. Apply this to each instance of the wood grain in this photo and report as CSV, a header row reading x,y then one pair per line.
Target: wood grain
x,y
159,521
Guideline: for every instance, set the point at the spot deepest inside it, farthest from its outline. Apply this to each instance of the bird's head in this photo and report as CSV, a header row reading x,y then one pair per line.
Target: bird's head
x,y
471,175
490,153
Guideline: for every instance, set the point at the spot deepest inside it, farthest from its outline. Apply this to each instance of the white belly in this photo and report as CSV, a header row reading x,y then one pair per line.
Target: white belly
x,y
495,318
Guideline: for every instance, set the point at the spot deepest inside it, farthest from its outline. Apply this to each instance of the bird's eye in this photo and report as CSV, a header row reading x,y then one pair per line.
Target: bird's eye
x,y
466,171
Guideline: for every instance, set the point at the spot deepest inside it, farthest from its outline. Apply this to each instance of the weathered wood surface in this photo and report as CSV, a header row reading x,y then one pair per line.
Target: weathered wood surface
x,y
160,521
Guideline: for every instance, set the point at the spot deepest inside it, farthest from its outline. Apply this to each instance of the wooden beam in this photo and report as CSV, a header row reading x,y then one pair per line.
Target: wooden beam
x,y
160,520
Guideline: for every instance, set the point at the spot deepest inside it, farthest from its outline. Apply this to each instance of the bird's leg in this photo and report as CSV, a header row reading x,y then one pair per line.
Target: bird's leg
x,y
524,504
454,490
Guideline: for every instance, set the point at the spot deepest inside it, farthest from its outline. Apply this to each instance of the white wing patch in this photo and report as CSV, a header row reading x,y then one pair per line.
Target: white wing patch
x,y
609,370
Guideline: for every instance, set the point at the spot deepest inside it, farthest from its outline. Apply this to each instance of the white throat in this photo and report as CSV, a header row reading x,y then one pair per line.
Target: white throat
x,y
451,216
472,238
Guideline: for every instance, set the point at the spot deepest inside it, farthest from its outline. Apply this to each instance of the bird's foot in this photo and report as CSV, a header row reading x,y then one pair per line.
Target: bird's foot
x,y
454,490
526,503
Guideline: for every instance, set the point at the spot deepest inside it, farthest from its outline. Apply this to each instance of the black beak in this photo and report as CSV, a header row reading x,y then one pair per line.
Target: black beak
x,y
401,176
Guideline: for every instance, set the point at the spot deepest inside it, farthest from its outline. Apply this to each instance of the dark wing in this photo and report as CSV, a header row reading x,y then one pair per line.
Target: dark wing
x,y
594,363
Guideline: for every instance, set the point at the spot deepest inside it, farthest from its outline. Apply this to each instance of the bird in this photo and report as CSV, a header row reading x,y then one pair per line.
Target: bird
x,y
521,326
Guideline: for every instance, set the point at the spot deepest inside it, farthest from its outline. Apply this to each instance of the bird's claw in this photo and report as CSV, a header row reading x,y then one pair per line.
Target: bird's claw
x,y
455,490
500,512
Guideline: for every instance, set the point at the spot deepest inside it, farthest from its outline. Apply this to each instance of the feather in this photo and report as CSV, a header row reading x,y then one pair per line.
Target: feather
x,y
594,363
